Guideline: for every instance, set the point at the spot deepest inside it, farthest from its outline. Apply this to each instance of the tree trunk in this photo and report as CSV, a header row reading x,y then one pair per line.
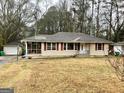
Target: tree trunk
x,y
97,20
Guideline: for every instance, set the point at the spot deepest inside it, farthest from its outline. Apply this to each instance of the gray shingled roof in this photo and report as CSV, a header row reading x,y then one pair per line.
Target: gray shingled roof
x,y
66,37
119,43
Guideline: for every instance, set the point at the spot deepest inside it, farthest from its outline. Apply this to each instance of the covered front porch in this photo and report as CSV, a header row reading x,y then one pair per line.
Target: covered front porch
x,y
56,49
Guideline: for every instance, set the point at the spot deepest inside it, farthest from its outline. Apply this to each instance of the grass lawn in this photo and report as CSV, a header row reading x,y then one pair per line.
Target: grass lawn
x,y
70,75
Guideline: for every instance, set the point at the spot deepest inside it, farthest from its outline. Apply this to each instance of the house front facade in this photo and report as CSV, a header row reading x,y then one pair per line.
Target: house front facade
x,y
65,44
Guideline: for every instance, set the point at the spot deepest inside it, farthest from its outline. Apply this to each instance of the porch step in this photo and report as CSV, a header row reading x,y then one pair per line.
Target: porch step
x,y
86,55
44,57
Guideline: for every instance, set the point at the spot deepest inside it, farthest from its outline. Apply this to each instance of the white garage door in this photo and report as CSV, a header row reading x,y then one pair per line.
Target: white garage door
x,y
10,50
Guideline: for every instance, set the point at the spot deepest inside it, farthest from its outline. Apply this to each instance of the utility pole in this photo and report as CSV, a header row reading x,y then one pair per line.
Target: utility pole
x,y
17,52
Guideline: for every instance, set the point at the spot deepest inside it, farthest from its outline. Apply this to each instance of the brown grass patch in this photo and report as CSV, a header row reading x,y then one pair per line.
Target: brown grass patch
x,y
72,75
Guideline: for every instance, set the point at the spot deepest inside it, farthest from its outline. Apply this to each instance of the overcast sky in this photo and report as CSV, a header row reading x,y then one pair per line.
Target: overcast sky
x,y
50,2
45,4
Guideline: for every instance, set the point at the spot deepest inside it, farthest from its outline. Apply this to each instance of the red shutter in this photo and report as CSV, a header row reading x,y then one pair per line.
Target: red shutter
x,y
61,46
95,46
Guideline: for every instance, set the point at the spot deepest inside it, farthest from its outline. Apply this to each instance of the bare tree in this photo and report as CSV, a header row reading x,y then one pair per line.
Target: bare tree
x,y
114,17
82,7
92,16
15,15
98,18
117,64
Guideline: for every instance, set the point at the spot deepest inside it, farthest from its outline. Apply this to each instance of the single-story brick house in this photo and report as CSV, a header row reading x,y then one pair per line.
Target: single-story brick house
x,y
65,44
119,47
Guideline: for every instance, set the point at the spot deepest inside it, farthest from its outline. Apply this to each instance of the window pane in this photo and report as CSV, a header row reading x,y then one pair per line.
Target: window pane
x,y
53,46
38,45
29,51
34,45
70,46
48,46
64,46
29,45
99,46
77,46
34,51
34,48
38,51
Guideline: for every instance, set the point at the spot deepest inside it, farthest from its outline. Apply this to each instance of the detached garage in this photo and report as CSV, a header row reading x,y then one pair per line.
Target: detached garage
x,y
12,49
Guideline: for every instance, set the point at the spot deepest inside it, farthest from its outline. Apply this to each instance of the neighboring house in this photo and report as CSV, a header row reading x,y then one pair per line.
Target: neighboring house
x,y
119,47
65,44
12,49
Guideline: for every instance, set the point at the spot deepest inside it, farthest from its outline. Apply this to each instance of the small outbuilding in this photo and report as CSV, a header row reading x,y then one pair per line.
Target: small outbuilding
x,y
12,49
119,47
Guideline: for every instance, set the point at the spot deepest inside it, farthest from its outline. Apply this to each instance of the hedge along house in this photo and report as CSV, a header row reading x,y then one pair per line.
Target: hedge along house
x,y
65,44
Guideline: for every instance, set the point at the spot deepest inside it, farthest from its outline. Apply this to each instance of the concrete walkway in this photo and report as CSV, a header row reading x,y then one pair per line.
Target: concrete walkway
x,y
6,59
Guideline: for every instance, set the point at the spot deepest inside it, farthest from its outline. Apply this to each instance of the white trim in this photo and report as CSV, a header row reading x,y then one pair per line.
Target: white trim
x,y
51,46
66,46
74,46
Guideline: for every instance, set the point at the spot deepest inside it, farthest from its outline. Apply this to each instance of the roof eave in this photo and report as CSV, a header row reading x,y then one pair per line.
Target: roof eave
x,y
67,41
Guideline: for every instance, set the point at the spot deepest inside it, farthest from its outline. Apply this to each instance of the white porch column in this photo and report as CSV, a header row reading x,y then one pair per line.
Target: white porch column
x,y
51,46
59,47
42,47
26,49
84,47
74,46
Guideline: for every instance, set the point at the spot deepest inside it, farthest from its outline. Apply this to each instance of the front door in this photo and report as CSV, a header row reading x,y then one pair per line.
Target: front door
x,y
84,49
